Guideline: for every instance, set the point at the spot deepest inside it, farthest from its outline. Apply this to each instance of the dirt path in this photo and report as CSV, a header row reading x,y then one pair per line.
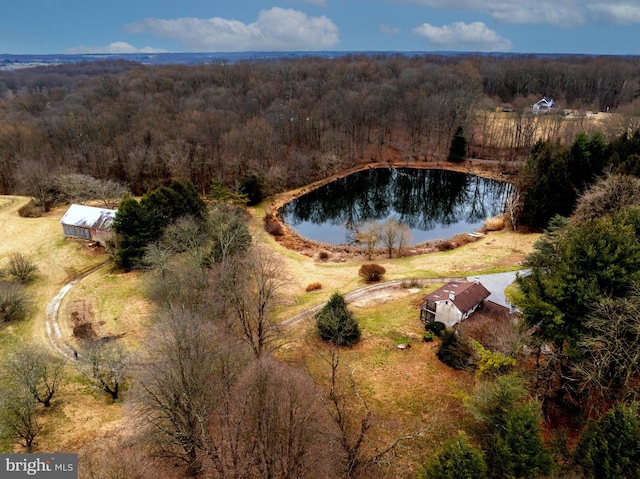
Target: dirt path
x,y
374,291
54,333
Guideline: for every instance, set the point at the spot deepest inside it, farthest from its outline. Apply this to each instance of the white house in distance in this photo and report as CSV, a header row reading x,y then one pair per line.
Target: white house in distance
x,y
543,105
453,302
88,222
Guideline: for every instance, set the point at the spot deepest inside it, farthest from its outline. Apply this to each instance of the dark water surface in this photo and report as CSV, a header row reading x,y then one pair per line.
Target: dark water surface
x,y
433,203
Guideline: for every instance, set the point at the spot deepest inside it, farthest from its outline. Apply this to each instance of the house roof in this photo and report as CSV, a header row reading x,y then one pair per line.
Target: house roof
x,y
466,295
89,217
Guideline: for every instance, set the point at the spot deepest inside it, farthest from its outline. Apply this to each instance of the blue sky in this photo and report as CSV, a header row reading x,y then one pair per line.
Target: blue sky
x,y
129,26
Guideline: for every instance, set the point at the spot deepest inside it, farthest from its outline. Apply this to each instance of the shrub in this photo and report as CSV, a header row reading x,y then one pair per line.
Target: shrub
x,y
31,210
372,272
335,322
323,255
410,283
495,223
13,302
444,245
428,337
21,267
272,225
492,363
435,327
455,351
313,287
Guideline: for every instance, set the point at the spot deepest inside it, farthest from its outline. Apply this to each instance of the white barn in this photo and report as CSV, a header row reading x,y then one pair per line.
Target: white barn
x,y
88,222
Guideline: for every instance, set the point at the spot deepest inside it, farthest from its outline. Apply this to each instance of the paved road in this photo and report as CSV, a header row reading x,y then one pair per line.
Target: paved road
x,y
496,284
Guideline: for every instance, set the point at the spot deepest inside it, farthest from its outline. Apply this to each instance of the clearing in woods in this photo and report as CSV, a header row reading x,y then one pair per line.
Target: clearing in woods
x,y
407,389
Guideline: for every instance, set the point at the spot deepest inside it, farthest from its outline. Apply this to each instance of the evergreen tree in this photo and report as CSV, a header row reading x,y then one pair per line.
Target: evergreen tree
x,y
546,186
458,148
458,459
131,224
190,201
140,223
509,426
336,323
572,268
253,188
610,447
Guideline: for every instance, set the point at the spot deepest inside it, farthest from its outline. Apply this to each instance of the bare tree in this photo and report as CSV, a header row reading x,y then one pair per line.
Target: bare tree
x,y
18,416
389,233
37,370
353,418
184,376
611,350
513,208
37,181
404,238
106,364
79,188
277,425
248,287
369,236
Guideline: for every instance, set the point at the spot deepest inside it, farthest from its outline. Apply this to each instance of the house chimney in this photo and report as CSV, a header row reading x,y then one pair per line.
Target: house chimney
x,y
452,295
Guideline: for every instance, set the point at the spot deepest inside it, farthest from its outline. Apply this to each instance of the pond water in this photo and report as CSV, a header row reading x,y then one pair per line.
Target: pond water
x,y
432,203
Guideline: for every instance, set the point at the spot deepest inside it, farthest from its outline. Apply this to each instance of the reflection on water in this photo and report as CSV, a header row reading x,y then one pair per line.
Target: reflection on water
x,y
433,203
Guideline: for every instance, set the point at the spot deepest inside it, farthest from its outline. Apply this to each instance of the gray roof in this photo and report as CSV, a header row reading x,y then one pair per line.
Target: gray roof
x,y
89,217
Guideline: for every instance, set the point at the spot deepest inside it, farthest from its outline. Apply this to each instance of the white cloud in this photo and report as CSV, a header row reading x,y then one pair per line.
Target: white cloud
x,y
277,29
462,36
558,13
115,47
621,14
319,3
389,30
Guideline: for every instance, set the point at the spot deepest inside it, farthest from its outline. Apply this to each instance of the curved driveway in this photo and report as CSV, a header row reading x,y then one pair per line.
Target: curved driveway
x,y
495,283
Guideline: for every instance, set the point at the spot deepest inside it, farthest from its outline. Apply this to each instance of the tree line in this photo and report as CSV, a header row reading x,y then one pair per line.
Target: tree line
x,y
288,122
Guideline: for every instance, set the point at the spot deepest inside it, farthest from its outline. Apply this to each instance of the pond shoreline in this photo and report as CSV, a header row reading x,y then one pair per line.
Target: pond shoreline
x,y
292,240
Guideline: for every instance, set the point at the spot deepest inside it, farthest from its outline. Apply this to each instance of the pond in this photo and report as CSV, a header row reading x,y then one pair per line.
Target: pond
x,y
434,204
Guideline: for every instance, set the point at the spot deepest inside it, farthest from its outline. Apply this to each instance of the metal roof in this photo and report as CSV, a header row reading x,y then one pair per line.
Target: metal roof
x,y
89,217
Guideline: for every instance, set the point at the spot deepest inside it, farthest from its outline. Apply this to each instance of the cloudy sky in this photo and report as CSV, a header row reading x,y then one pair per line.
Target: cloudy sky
x,y
128,26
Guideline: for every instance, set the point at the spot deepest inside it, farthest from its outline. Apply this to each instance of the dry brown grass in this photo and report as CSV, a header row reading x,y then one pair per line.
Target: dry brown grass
x,y
408,390
495,223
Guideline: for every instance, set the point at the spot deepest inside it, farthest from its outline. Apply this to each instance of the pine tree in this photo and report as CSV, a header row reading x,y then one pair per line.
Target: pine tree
x,y
458,149
610,447
335,322
458,459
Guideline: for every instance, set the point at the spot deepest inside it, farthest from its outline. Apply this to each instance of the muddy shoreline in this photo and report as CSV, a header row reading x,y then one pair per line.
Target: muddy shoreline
x,y
290,239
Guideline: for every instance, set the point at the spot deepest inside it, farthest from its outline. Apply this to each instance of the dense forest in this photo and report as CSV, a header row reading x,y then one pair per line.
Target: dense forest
x,y
209,391
290,122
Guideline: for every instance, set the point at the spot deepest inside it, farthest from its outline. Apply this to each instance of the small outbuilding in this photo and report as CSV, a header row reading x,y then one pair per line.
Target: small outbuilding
x,y
88,222
453,302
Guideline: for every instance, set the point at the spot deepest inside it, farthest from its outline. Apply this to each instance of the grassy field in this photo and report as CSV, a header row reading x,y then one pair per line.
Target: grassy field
x,y
408,390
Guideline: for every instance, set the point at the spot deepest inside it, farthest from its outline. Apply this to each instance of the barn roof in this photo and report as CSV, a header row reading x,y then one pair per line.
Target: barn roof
x,y
466,295
89,217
